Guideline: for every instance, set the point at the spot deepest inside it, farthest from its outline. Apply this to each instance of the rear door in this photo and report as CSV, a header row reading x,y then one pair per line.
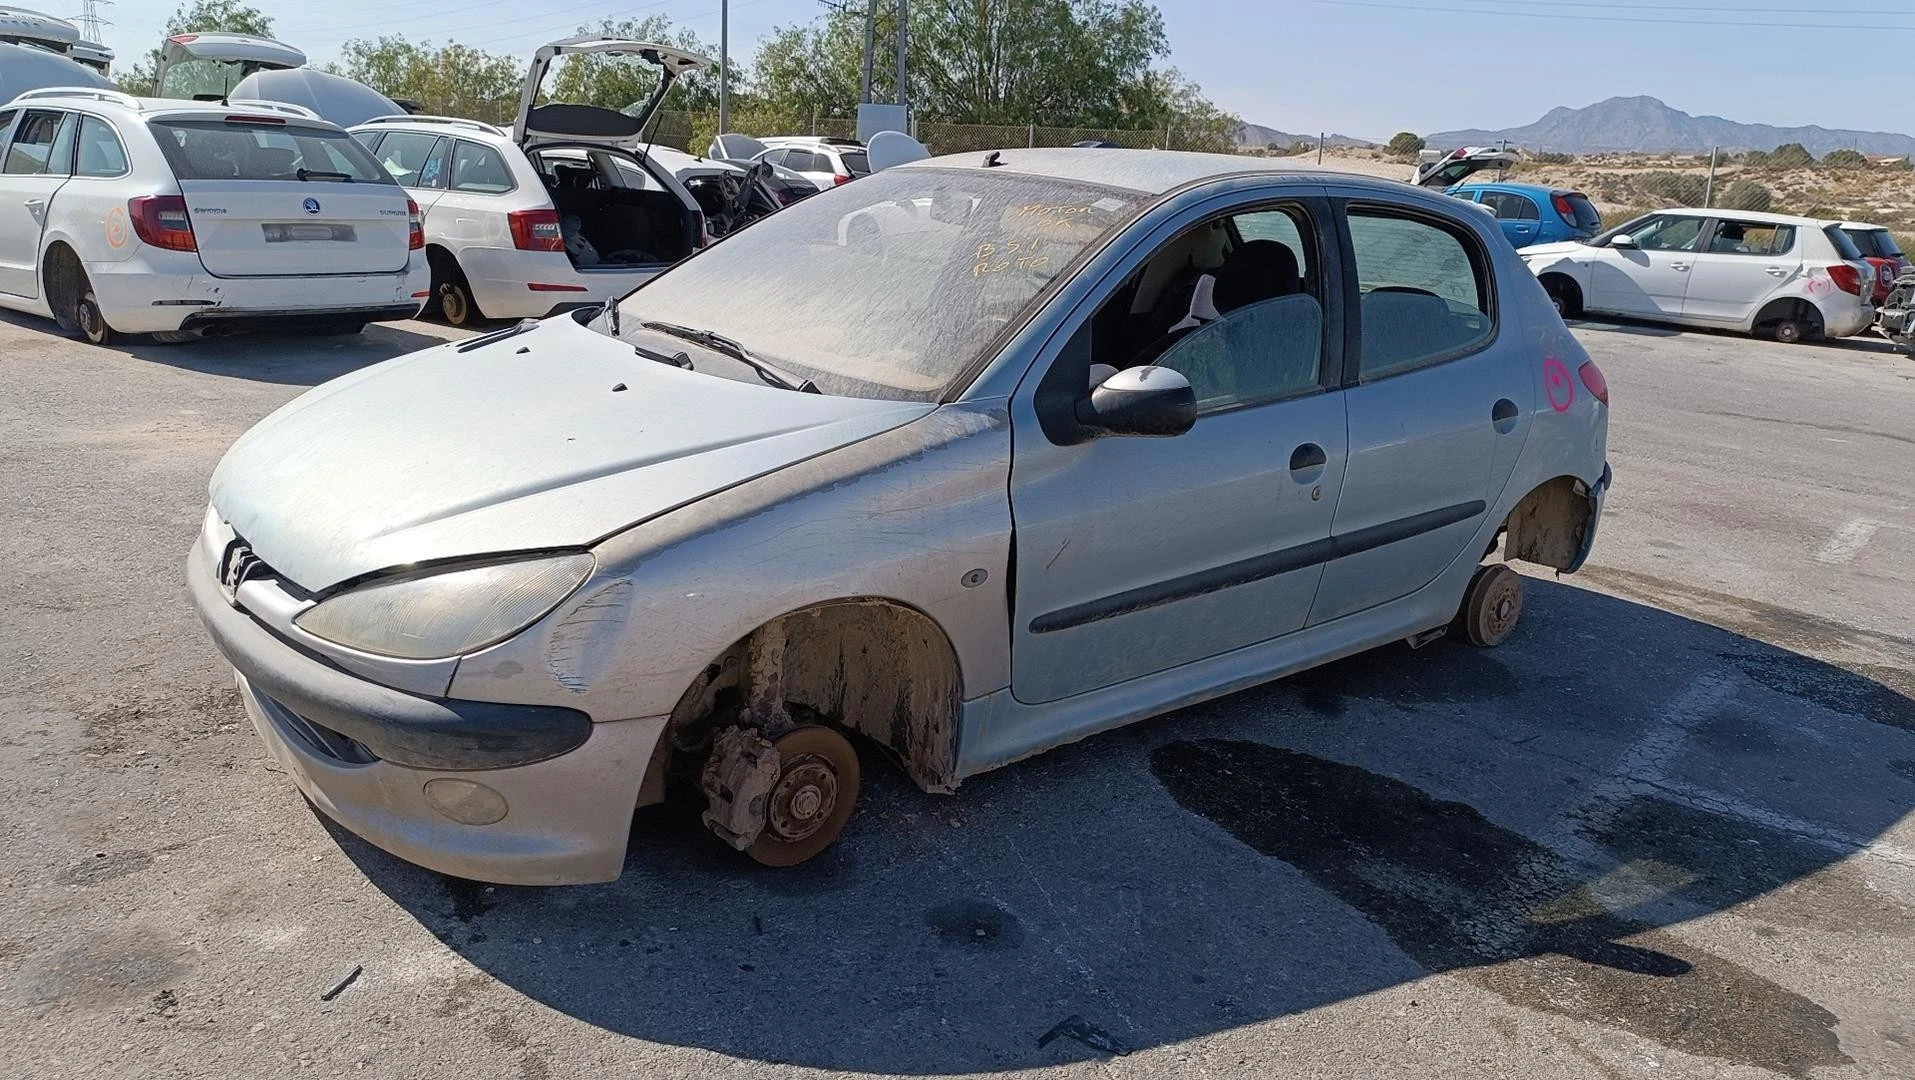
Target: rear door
x,y
1518,215
1740,266
37,161
272,197
1439,406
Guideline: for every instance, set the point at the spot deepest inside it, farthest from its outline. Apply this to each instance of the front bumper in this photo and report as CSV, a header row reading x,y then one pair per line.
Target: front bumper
x,y
565,787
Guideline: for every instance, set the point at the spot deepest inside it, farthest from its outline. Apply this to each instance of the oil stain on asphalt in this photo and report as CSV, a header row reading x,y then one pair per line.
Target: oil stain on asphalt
x,y
1459,893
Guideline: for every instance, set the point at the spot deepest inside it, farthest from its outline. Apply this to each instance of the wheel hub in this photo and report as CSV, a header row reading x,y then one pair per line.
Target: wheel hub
x,y
804,798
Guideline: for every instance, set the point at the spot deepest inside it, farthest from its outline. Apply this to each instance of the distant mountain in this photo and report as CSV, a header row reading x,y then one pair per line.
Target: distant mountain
x,y
1256,135
1626,124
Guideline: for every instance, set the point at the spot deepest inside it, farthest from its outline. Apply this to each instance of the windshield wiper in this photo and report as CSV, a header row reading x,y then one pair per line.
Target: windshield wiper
x,y
719,343
303,173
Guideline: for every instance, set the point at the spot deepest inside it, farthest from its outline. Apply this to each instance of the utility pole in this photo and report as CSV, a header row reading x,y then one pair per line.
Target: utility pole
x,y
90,22
870,46
1709,187
724,65
904,21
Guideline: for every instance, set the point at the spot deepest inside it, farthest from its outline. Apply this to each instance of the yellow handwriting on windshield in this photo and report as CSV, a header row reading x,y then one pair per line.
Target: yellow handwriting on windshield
x,y
997,256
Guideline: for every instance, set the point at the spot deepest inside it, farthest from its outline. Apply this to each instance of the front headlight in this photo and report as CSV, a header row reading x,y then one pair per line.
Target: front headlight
x,y
448,613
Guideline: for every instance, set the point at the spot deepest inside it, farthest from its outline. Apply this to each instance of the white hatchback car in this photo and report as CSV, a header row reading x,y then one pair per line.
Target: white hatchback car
x,y
566,210
179,218
1791,278
826,162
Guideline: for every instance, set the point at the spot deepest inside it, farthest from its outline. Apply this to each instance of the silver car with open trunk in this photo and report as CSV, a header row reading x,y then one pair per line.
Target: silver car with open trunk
x,y
971,458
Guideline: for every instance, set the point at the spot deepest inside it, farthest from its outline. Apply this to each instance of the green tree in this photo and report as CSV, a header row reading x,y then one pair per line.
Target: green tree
x,y
1844,159
613,82
1403,144
1791,156
1057,63
450,79
198,17
1746,195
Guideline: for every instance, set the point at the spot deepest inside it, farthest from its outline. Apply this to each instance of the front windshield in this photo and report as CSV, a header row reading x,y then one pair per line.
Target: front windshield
x,y
889,287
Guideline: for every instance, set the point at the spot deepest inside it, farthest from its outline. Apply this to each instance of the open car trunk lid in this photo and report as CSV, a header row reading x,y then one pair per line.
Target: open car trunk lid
x,y
1440,171
249,52
562,122
254,216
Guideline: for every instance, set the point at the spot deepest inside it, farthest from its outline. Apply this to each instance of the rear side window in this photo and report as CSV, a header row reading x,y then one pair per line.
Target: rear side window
x,y
479,169
1844,247
42,146
1751,238
803,161
408,157
1510,206
855,161
218,150
100,151
1423,289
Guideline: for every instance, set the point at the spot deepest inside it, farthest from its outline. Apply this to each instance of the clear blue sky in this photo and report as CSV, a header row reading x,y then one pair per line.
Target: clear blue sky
x,y
1362,67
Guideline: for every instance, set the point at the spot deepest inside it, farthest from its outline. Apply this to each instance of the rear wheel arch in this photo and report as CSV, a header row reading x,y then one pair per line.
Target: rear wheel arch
x,y
870,665
1550,525
1776,314
62,282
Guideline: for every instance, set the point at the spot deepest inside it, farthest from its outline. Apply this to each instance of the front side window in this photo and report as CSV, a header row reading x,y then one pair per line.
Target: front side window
x,y
479,169
407,155
100,151
42,146
893,287
226,150
1751,238
1666,233
1423,289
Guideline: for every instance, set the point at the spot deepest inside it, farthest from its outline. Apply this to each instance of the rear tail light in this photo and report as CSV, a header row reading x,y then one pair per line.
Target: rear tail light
x,y
415,227
161,221
1846,278
841,178
536,230
1593,381
1564,210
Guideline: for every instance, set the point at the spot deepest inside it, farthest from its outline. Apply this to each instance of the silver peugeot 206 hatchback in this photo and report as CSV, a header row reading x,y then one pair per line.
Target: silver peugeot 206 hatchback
x,y
974,457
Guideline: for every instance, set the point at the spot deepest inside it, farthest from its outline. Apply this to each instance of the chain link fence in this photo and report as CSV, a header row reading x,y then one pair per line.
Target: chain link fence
x,y
693,131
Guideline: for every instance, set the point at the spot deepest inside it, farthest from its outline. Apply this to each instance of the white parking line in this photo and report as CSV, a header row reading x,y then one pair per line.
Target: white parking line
x,y
1847,541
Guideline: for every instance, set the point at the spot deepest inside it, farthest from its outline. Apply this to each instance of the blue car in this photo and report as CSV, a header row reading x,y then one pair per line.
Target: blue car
x,y
1533,214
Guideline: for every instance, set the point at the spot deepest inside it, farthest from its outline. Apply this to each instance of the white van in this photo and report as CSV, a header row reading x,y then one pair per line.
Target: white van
x,y
569,208
177,218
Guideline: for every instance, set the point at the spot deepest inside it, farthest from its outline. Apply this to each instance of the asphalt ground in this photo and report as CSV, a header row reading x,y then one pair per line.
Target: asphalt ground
x,y
1663,831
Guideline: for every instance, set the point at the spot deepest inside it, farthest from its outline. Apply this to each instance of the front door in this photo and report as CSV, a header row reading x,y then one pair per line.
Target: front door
x,y
1135,555
1438,409
37,161
1650,278
1740,266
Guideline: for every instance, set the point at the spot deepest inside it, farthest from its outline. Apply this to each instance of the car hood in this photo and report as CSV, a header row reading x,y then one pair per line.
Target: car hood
x,y
1560,247
551,437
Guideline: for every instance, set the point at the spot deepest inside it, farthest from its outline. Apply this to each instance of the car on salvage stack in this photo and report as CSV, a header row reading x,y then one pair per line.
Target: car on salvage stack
x,y
178,219
1789,278
567,209
967,492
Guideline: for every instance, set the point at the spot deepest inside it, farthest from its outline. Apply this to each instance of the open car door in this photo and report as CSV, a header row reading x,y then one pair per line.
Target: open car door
x,y
1440,171
568,123
246,53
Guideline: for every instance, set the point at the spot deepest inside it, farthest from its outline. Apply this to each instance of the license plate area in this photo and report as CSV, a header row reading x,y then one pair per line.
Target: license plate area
x,y
304,231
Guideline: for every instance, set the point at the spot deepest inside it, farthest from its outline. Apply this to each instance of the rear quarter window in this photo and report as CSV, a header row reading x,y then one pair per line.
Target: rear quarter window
x,y
480,170
220,150
855,161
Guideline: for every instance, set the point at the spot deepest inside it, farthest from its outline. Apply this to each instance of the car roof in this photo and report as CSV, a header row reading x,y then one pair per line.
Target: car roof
x,y
1523,189
427,124
1760,216
158,108
1862,225
1150,171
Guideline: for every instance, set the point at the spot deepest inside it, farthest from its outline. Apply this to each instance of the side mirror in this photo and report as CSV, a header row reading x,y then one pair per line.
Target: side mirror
x,y
1154,401
1622,240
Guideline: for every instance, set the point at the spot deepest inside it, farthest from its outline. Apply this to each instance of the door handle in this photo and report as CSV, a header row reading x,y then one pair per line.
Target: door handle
x,y
1308,456
38,208
1502,412
1775,271
1678,266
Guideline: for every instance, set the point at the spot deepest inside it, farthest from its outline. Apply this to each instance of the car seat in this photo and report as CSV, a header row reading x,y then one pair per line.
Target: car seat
x,y
1258,270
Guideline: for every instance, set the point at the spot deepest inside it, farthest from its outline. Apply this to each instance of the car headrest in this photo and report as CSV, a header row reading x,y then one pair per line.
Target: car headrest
x,y
1258,270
